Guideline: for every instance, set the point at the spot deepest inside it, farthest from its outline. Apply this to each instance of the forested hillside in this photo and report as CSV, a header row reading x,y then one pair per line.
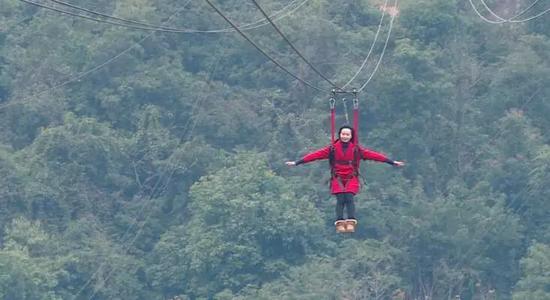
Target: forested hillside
x,y
150,164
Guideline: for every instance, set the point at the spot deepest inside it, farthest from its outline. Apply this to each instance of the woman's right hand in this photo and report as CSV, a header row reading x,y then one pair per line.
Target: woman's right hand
x,y
290,163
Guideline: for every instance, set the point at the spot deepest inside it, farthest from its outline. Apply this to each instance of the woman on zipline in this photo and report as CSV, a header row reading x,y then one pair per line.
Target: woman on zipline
x,y
344,156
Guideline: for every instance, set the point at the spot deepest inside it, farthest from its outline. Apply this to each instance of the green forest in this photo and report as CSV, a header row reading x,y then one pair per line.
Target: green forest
x,y
146,159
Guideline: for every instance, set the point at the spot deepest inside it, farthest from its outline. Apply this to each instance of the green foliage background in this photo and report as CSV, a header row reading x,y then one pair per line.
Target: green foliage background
x,y
161,174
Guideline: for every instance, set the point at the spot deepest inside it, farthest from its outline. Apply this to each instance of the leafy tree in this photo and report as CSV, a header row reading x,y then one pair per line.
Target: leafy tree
x,y
245,223
11,189
534,282
30,262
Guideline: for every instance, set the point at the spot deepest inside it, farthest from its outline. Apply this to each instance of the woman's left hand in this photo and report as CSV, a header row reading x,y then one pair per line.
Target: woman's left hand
x,y
398,163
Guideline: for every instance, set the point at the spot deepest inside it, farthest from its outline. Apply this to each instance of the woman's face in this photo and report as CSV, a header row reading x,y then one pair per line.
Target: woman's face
x,y
345,135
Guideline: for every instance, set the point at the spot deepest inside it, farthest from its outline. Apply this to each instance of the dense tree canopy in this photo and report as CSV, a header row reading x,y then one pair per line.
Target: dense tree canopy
x,y
150,165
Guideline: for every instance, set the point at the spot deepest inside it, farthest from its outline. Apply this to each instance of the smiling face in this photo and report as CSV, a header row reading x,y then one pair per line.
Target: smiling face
x,y
345,135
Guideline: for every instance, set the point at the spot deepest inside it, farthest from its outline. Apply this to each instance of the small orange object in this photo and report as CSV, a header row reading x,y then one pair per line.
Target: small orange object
x,y
350,225
340,226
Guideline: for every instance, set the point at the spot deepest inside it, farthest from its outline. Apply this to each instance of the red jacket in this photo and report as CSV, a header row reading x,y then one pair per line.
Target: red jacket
x,y
344,179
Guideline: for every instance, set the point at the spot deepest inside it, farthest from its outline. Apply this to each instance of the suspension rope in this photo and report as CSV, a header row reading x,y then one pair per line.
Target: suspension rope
x,y
121,22
532,18
382,54
149,27
189,127
248,26
345,110
293,47
355,117
332,102
127,232
502,20
511,20
371,47
355,125
97,20
492,13
262,51
73,78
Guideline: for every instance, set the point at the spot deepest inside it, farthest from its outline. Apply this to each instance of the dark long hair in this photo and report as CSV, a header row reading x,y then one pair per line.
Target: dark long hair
x,y
352,133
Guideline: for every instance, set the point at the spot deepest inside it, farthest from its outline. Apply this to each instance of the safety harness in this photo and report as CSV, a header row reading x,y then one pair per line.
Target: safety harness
x,y
356,148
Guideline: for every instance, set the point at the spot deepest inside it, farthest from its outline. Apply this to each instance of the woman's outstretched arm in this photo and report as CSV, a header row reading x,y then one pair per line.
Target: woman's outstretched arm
x,y
322,153
373,155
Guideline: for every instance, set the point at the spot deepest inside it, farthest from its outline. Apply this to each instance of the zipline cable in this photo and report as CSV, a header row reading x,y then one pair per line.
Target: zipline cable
x,y
10,27
73,78
98,20
383,52
262,51
248,26
513,17
124,236
139,27
293,47
371,48
510,19
187,134
236,28
315,69
79,76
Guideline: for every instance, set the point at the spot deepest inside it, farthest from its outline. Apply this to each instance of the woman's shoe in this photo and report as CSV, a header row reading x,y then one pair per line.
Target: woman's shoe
x,y
350,225
340,226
